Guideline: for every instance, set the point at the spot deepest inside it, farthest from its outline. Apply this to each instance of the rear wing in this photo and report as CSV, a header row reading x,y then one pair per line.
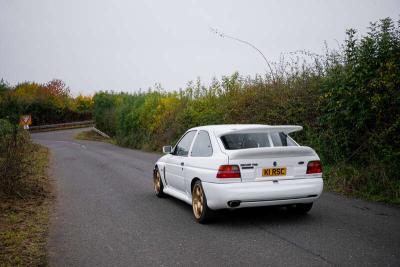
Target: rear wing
x,y
261,129
271,152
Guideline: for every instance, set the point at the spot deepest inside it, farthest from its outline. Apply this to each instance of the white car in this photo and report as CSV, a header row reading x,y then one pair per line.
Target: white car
x,y
240,165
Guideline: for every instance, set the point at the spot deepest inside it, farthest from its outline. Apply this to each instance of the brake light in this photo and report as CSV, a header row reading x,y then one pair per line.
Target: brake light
x,y
314,167
228,171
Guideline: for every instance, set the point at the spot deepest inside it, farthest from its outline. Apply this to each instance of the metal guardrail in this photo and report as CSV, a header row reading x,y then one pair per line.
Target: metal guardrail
x,y
77,124
100,132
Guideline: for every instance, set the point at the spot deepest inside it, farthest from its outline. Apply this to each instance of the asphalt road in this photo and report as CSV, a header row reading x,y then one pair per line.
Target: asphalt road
x,y
107,215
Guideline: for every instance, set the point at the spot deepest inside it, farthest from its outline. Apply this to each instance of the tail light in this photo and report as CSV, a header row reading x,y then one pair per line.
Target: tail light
x,y
228,171
314,167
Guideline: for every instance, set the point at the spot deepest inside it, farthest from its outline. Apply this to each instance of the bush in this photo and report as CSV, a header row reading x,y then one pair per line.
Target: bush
x,y
14,149
360,100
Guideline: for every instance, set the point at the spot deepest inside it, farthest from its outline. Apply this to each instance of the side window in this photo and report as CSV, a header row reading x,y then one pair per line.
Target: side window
x,y
202,145
182,148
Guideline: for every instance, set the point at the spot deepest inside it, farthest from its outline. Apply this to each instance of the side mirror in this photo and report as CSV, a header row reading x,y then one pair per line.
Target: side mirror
x,y
167,149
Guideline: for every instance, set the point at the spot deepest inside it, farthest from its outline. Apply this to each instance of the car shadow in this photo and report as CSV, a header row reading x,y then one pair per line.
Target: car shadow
x,y
261,215
270,215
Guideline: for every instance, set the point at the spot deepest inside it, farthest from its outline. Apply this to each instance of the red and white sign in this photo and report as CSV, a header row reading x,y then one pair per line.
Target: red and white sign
x,y
25,121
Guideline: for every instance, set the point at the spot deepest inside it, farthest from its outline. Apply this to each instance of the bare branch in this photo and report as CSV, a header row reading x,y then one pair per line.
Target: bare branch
x,y
223,35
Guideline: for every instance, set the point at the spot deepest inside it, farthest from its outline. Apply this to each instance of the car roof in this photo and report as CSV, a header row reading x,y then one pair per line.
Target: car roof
x,y
220,129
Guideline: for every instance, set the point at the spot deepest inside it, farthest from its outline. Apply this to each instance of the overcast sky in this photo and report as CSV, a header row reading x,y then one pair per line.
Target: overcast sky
x,y
127,45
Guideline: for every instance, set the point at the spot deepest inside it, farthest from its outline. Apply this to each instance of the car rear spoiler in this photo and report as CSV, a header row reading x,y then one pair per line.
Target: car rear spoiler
x,y
271,152
263,129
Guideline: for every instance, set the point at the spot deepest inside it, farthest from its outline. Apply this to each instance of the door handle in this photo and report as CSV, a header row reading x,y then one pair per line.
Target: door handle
x,y
182,163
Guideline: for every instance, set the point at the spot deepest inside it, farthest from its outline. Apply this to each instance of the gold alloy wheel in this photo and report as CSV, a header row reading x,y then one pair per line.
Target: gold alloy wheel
x,y
157,182
197,201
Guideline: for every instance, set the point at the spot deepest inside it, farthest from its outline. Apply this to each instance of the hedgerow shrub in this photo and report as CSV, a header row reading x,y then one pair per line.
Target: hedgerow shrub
x,y
348,102
14,146
47,103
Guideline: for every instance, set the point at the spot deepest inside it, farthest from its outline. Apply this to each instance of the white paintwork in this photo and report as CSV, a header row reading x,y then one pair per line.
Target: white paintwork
x,y
255,128
266,193
252,189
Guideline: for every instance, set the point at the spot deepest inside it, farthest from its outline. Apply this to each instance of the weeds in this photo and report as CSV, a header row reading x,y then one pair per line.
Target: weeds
x,y
24,216
93,136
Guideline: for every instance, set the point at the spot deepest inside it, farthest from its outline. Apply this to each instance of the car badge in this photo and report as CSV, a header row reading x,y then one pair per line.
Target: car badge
x,y
274,163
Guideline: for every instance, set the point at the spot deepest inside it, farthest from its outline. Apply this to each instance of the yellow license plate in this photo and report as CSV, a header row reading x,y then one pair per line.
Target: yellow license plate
x,y
274,172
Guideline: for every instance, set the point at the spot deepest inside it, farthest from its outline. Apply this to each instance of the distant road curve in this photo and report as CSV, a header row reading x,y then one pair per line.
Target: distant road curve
x,y
106,215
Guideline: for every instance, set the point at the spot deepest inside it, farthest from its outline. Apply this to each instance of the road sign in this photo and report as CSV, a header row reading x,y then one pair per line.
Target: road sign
x,y
25,121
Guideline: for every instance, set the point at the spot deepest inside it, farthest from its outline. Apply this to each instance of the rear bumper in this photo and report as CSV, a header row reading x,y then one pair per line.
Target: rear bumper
x,y
266,193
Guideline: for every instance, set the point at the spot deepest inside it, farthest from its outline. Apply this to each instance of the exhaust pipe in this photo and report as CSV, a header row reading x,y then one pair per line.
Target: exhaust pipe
x,y
234,203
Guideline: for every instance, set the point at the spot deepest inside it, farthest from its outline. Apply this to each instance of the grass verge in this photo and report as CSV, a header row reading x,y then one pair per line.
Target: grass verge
x,y
93,136
24,219
365,182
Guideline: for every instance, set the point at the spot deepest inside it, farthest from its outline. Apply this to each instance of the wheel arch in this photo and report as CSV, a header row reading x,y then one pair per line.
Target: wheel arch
x,y
155,169
193,182
160,166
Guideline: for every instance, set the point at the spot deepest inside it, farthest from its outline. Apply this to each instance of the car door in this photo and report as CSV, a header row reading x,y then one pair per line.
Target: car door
x,y
201,162
175,165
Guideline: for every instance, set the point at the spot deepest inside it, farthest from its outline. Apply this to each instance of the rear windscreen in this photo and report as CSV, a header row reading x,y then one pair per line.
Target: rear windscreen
x,y
282,139
254,140
247,140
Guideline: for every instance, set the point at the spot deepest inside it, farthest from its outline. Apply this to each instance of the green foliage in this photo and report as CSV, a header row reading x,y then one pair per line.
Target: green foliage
x,y
348,102
83,103
104,111
3,86
149,120
47,103
360,101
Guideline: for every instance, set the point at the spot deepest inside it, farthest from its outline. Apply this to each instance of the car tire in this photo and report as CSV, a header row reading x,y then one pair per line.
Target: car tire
x,y
201,212
301,208
158,185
